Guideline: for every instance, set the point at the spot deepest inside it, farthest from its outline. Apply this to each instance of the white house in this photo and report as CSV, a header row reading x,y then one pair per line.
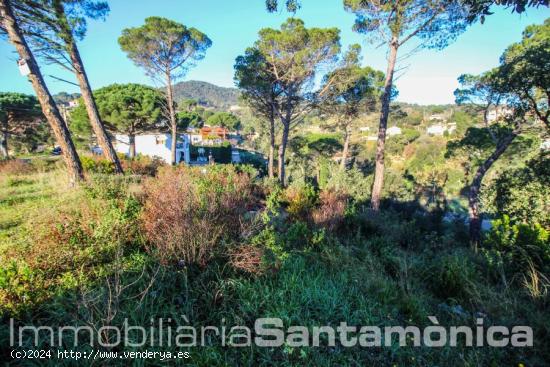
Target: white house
x,y
437,117
436,129
364,129
545,145
195,138
156,145
440,129
394,130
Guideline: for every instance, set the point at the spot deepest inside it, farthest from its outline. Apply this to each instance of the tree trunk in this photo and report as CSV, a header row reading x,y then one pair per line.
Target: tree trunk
x,y
473,199
345,151
282,151
99,129
132,143
4,138
271,157
49,109
381,143
172,113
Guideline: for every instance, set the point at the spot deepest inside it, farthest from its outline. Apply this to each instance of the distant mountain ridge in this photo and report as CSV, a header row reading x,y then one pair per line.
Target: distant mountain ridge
x,y
207,94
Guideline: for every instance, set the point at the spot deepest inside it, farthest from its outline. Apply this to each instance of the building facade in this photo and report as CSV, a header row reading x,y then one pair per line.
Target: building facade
x,y
156,145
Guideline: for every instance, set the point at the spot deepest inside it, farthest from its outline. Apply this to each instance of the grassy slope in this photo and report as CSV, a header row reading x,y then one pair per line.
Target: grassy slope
x,y
363,280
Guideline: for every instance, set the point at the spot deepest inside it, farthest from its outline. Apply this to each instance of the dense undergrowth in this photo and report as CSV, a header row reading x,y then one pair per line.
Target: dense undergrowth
x,y
220,247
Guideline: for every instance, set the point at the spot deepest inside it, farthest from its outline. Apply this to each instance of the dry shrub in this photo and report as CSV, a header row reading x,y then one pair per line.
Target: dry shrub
x,y
248,258
142,165
409,151
15,167
331,211
189,212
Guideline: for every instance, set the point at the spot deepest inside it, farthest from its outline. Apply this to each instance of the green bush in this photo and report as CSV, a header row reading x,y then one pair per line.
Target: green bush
x,y
300,200
297,235
20,287
524,194
96,165
351,182
452,277
512,249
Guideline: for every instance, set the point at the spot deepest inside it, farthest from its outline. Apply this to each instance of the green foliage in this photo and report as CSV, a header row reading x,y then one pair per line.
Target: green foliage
x,y
188,119
300,200
479,9
20,286
352,182
396,144
435,24
386,269
224,119
463,121
205,94
453,277
81,235
162,45
523,194
351,89
510,249
20,118
95,165
524,72
258,87
253,159
298,51
19,106
124,108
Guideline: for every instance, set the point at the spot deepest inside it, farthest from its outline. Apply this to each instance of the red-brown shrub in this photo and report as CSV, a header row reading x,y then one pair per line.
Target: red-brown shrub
x,y
189,212
15,167
248,258
331,211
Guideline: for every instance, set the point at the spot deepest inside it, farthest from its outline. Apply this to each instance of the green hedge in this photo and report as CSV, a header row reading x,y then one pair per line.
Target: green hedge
x,y
221,153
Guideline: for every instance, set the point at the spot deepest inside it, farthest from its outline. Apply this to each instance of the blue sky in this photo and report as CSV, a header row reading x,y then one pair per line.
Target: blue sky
x,y
428,77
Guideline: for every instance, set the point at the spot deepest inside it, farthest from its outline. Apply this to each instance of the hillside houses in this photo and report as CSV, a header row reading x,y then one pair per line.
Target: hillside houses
x,y
158,144
394,130
154,144
496,114
440,129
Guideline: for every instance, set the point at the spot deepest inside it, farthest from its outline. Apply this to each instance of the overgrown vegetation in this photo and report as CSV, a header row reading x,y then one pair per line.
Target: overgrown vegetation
x,y
448,219
221,247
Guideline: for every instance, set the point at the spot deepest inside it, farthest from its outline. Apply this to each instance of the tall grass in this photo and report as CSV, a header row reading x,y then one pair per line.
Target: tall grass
x,y
81,257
